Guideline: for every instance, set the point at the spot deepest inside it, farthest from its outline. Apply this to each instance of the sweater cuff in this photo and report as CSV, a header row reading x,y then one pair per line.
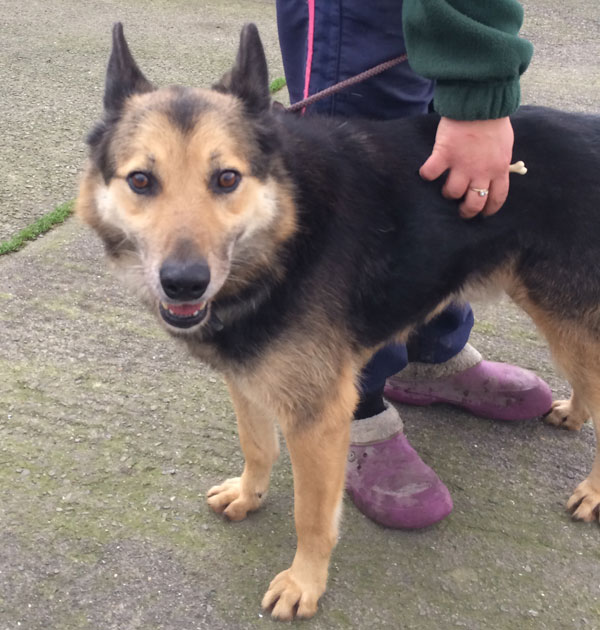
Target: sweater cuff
x,y
476,101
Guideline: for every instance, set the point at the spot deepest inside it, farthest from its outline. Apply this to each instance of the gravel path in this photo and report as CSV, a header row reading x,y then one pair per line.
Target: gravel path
x,y
109,438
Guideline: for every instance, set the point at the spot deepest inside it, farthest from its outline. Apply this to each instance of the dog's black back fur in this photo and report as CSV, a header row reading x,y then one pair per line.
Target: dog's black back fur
x,y
382,246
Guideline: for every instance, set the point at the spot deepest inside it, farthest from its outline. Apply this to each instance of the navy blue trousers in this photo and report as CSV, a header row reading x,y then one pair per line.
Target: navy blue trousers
x,y
326,41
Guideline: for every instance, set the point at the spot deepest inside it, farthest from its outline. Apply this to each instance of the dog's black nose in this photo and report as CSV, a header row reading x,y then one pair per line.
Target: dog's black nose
x,y
185,281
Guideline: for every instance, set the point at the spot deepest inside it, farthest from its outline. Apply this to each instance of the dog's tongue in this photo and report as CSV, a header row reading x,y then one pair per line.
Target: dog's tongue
x,y
185,310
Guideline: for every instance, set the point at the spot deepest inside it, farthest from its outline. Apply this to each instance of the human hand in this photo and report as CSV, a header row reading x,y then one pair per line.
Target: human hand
x,y
478,154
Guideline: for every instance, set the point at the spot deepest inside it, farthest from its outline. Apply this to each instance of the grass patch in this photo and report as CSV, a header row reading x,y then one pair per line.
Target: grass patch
x,y
43,224
276,85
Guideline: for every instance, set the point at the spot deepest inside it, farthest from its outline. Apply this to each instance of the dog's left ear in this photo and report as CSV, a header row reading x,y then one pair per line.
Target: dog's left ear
x,y
249,77
123,77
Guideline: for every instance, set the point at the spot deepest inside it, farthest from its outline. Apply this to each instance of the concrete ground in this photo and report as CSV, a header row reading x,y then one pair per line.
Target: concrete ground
x,y
109,438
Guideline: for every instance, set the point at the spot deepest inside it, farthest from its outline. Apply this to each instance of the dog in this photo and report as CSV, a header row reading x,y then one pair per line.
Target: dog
x,y
285,250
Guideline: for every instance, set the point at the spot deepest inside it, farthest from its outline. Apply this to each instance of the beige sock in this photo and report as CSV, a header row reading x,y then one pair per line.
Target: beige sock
x,y
465,359
377,428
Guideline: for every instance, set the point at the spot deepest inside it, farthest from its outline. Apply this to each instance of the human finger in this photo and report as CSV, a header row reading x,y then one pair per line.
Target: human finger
x,y
434,166
475,200
456,185
497,196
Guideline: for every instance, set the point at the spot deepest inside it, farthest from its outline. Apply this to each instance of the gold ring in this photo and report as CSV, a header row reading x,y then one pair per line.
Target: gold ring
x,y
482,192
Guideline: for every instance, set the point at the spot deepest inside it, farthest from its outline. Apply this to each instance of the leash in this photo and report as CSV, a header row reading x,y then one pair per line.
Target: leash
x,y
342,85
517,168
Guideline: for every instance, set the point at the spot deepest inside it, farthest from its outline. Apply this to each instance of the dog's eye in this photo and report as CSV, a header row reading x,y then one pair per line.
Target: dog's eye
x,y
140,182
226,181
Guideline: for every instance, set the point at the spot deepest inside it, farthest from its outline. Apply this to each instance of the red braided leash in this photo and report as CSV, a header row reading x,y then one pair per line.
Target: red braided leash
x,y
342,85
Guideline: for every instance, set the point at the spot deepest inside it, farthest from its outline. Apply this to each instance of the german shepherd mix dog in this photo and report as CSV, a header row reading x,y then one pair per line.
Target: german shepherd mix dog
x,y
285,250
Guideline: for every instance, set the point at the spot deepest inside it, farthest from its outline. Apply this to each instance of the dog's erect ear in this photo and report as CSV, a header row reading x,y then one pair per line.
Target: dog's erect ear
x,y
249,77
123,77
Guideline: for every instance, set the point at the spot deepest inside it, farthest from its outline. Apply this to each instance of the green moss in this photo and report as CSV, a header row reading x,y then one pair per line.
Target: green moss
x,y
43,224
485,328
528,334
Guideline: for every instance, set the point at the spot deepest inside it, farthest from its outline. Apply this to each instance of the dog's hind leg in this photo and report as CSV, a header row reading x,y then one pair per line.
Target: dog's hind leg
x,y
581,363
576,349
568,414
584,503
258,437
318,448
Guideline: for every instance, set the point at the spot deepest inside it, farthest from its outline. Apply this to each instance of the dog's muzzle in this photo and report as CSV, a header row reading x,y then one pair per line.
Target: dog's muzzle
x,y
184,283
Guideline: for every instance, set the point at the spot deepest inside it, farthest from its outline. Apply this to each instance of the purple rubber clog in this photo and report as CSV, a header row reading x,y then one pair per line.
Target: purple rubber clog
x,y
491,390
389,483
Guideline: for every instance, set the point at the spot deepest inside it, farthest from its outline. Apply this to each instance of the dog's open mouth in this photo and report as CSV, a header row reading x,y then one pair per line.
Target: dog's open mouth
x,y
183,315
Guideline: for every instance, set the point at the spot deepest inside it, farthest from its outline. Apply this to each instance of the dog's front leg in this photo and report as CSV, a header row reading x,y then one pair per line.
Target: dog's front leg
x,y
237,496
318,449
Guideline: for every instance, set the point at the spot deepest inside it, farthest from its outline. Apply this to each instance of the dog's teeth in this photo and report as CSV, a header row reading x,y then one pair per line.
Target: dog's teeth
x,y
173,309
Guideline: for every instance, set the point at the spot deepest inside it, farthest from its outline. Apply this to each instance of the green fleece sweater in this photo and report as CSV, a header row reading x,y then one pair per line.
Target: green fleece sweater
x,y
473,51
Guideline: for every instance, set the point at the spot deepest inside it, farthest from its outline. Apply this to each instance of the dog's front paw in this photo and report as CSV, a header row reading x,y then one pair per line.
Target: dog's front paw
x,y
564,415
584,503
229,499
290,597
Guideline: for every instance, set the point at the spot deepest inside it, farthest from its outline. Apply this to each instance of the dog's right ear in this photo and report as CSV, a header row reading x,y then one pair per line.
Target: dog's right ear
x,y
123,77
249,77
